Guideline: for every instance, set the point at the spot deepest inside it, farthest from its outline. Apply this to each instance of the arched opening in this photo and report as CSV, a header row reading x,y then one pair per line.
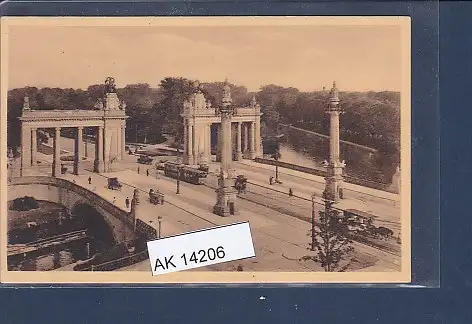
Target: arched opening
x,y
95,223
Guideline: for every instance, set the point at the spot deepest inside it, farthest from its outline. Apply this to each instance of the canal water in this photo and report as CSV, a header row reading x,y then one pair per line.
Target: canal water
x,y
60,257
47,221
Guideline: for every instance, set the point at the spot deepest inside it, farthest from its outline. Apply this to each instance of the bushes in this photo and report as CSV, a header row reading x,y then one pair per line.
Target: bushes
x,y
24,203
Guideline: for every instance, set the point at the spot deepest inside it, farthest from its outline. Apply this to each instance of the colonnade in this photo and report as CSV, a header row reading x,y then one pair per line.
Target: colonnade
x,y
109,144
244,135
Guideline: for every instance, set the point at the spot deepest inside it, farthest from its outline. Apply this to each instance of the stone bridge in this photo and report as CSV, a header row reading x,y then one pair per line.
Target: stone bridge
x,y
75,197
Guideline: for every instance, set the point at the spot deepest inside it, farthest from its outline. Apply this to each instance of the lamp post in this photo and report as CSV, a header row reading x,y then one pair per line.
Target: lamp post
x,y
313,196
159,220
179,172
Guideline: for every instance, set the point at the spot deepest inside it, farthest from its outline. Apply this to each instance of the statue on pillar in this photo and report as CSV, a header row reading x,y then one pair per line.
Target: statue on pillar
x,y
99,104
122,105
26,105
110,85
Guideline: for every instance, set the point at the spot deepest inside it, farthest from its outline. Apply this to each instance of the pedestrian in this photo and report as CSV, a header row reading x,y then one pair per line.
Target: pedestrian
x,y
90,180
271,179
290,192
138,170
147,172
127,202
114,199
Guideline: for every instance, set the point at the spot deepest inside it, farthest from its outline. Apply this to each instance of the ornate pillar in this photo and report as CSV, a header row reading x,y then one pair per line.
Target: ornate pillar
x,y
56,163
239,153
25,158
252,152
334,177
34,146
78,147
98,163
225,194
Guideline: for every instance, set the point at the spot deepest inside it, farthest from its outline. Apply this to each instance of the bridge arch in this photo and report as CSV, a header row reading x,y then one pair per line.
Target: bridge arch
x,y
72,196
98,226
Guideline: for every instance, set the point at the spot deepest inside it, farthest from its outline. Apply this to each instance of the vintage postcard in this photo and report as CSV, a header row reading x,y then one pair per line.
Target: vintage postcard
x,y
120,132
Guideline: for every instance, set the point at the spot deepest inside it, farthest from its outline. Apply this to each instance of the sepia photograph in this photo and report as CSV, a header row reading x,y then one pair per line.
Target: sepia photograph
x,y
121,131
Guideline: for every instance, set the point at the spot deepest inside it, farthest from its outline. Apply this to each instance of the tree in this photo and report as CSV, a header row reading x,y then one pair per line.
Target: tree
x,y
332,243
166,112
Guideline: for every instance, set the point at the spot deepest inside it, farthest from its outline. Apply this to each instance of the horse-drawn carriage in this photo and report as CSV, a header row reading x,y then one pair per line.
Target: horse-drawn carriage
x,y
363,223
240,184
156,197
114,184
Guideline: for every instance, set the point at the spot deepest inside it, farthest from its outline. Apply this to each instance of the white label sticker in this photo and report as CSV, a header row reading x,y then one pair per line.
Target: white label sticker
x,y
201,248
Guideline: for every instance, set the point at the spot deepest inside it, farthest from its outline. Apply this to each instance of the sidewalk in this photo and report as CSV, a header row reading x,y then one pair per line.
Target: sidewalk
x,y
347,186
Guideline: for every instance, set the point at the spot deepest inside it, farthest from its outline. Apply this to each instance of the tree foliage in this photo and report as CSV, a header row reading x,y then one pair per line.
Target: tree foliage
x,y
371,118
332,244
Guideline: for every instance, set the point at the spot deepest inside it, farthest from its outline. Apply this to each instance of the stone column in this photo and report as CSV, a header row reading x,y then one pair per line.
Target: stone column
x,y
209,141
107,149
257,136
239,153
56,164
252,152
185,153
98,163
78,147
189,157
218,144
193,135
25,158
34,146
123,141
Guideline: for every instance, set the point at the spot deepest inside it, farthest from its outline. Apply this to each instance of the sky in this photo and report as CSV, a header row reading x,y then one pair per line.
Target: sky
x,y
359,58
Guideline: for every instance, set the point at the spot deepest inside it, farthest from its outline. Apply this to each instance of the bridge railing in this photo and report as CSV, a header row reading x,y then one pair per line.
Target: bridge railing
x,y
86,193
322,173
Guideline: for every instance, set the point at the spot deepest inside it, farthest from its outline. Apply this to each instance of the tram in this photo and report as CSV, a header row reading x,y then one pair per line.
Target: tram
x,y
187,174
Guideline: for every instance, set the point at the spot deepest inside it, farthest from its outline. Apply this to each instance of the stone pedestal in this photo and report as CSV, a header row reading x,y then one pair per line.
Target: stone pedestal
x,y
225,198
334,183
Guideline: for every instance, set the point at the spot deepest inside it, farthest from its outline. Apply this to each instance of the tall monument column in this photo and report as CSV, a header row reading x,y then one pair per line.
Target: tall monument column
x,y
34,146
98,163
334,176
56,163
225,194
78,150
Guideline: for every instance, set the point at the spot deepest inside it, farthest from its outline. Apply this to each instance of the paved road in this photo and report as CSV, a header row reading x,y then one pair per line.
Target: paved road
x,y
279,239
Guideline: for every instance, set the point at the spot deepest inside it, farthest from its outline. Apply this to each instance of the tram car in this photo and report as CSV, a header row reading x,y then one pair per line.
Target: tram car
x,y
188,174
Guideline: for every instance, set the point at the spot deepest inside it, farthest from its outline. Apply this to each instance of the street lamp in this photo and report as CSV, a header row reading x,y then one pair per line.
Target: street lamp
x,y
179,172
159,218
313,196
